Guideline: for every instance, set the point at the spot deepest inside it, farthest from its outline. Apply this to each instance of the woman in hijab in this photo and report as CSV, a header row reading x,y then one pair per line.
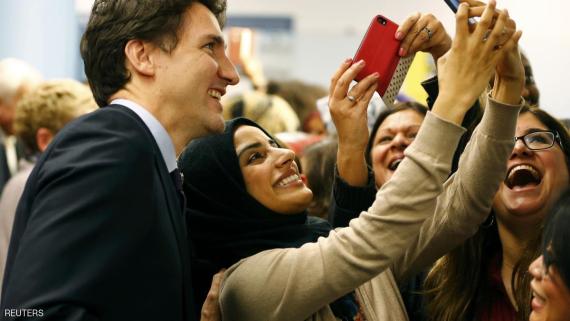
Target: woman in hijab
x,y
247,204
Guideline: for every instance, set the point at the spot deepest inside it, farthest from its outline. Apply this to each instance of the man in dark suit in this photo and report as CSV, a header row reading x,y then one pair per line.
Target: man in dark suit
x,y
100,232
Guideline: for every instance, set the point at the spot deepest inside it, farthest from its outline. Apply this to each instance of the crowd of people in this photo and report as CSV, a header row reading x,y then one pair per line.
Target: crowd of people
x,y
173,202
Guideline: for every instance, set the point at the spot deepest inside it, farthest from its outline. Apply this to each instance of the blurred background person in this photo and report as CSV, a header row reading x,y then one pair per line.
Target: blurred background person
x,y
318,165
302,97
271,112
530,91
16,78
39,115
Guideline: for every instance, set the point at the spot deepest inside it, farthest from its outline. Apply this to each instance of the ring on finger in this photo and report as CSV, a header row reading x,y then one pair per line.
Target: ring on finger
x,y
486,35
428,32
351,98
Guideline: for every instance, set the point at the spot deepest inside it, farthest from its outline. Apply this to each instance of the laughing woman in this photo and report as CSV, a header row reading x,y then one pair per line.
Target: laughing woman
x,y
485,279
247,205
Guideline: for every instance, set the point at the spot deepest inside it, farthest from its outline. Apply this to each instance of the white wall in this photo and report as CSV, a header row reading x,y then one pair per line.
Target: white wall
x,y
327,31
43,33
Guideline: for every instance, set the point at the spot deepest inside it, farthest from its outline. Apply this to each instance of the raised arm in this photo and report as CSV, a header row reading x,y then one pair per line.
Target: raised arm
x,y
293,284
468,194
354,186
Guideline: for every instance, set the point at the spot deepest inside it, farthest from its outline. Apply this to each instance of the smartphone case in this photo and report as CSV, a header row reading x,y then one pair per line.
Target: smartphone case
x,y
379,49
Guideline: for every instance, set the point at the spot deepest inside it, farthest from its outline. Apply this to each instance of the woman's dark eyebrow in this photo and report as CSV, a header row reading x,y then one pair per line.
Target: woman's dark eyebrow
x,y
533,130
408,127
250,146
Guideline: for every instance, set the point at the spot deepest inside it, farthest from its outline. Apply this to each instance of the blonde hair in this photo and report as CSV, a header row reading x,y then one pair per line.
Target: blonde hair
x,y
14,74
51,105
271,112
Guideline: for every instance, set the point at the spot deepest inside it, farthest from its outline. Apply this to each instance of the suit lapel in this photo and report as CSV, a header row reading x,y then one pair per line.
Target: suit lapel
x,y
178,221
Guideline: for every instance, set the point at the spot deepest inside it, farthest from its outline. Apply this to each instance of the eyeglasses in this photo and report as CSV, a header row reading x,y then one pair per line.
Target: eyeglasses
x,y
539,140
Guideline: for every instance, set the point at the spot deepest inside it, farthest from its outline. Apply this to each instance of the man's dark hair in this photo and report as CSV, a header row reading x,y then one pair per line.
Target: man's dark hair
x,y
114,22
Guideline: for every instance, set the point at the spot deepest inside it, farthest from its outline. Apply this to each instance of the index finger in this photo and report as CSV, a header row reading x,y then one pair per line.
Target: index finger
x,y
341,87
404,29
461,25
334,79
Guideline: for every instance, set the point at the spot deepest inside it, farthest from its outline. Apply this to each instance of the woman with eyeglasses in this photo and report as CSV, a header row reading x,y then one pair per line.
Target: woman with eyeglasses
x,y
550,285
485,278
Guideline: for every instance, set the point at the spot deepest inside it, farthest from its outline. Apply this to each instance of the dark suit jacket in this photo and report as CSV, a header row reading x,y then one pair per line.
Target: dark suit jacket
x,y
99,232
4,170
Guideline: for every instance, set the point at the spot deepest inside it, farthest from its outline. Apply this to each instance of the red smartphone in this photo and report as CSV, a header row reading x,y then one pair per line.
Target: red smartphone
x,y
379,49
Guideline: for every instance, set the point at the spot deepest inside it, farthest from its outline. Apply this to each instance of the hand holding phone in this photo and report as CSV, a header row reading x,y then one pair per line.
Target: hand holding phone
x,y
423,32
379,49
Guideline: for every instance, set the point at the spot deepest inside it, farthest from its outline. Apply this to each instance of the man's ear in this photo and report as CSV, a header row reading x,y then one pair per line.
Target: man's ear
x,y
43,138
139,55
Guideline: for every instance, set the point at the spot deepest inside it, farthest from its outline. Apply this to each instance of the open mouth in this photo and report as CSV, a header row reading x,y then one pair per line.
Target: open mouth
x,y
395,163
288,180
215,94
521,176
538,301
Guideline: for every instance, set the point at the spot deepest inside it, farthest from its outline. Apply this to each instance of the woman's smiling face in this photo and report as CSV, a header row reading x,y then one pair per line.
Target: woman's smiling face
x,y
394,135
551,296
535,178
270,173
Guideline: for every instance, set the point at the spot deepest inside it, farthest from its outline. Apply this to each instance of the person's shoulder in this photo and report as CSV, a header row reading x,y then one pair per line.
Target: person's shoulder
x,y
112,133
113,118
113,125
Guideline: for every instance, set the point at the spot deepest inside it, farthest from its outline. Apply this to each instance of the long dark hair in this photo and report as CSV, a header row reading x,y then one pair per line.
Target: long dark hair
x,y
457,284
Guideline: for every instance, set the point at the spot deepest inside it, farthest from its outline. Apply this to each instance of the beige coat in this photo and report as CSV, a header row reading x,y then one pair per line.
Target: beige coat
x,y
410,224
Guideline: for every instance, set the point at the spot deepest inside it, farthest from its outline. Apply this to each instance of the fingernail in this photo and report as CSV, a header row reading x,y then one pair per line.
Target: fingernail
x,y
360,63
402,52
348,60
375,75
399,35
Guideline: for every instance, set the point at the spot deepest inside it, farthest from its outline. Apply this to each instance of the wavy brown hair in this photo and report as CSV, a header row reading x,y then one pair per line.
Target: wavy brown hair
x,y
457,284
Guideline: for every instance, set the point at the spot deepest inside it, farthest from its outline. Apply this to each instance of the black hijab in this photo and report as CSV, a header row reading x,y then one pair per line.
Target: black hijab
x,y
226,224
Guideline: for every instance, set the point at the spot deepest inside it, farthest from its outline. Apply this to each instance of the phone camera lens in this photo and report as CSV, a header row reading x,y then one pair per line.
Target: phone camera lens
x,y
382,21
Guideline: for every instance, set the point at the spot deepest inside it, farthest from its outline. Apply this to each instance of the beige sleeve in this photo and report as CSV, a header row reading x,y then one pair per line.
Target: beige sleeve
x,y
293,284
467,195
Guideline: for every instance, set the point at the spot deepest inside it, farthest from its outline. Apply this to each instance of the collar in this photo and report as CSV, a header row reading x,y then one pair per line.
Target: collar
x,y
163,140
